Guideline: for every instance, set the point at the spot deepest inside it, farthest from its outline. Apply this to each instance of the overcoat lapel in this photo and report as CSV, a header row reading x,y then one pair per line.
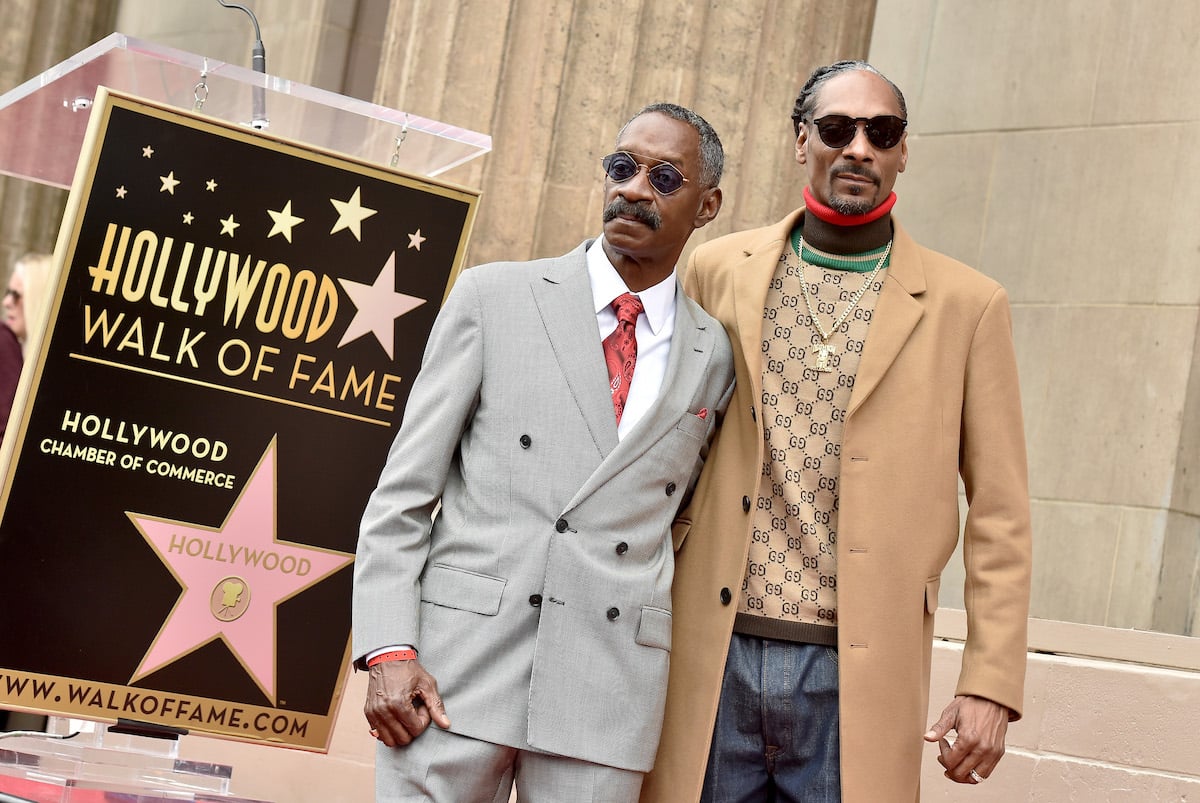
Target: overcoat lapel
x,y
896,315
897,311
750,295
563,296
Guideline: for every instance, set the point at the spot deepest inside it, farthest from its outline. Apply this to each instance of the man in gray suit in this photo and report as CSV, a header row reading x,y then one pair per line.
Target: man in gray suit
x,y
538,595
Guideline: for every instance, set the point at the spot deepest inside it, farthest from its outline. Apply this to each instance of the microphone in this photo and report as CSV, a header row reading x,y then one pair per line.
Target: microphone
x,y
258,62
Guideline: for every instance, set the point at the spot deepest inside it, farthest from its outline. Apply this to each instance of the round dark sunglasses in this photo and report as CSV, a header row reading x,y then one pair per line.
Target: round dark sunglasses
x,y
838,130
664,177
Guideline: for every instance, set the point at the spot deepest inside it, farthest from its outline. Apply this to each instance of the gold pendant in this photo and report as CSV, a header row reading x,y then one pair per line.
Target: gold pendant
x,y
824,351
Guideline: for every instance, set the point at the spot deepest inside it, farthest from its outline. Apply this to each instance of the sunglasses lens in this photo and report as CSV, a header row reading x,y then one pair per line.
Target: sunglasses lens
x,y
665,178
885,132
619,166
837,130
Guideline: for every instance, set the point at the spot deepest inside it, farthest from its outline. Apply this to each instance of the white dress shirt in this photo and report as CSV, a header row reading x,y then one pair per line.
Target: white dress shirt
x,y
654,330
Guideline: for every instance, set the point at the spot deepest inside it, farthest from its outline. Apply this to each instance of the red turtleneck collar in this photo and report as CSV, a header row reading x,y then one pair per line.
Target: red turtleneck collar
x,y
825,213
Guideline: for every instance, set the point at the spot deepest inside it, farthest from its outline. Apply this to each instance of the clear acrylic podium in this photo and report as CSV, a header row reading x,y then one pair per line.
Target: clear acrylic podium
x,y
42,121
42,127
102,765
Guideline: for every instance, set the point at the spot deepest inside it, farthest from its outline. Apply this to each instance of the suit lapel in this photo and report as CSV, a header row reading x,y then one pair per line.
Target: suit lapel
x,y
896,315
691,352
563,296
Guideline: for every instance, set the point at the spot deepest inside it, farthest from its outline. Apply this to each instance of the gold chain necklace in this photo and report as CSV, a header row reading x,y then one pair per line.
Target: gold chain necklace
x,y
825,350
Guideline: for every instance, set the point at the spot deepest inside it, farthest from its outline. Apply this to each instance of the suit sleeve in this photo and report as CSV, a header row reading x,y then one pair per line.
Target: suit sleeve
x,y
394,535
997,540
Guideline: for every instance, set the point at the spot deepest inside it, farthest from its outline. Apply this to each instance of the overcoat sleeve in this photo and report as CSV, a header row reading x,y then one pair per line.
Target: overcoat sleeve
x,y
997,541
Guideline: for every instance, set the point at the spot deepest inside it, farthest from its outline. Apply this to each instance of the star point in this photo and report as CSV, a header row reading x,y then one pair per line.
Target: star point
x,y
284,221
169,182
415,240
378,306
228,225
351,214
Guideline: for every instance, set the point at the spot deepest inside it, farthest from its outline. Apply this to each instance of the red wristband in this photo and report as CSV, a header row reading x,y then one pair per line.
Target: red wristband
x,y
394,655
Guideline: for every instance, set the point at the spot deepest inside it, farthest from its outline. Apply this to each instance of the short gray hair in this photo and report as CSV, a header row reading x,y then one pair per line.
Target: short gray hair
x,y
712,153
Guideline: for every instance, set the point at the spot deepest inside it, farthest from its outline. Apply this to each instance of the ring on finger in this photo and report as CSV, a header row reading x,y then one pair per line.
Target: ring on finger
x,y
975,776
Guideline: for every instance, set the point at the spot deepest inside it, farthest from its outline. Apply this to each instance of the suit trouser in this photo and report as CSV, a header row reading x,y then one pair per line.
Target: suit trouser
x,y
444,767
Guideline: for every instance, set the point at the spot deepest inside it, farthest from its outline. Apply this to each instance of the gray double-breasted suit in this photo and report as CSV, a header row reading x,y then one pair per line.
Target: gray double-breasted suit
x,y
540,595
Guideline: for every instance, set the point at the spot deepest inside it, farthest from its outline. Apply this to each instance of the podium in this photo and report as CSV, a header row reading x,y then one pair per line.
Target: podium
x,y
98,765
43,121
44,124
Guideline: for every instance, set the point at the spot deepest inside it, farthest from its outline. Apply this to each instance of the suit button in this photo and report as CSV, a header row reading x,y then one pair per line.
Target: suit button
x,y
561,525
622,548
613,613
535,600
526,441
726,597
746,504
670,488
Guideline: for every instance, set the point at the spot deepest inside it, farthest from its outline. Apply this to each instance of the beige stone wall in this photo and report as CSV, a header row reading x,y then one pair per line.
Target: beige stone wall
x,y
1053,147
1115,730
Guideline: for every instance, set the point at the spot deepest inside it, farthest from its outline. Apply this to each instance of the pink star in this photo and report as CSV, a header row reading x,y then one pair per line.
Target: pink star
x,y
233,578
378,305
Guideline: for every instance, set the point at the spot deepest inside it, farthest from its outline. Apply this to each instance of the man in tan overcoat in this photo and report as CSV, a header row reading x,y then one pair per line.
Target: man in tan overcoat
x,y
872,374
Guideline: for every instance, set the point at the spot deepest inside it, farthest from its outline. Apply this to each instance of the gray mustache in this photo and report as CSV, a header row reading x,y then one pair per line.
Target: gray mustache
x,y
644,214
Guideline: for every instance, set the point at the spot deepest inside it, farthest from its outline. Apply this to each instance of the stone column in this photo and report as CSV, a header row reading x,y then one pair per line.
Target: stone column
x,y
552,81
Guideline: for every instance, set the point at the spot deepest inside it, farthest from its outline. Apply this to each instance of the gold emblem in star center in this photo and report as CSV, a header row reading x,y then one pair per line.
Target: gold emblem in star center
x,y
230,598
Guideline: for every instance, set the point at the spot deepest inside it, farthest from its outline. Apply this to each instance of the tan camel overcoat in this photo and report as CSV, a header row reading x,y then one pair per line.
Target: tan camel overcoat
x,y
935,398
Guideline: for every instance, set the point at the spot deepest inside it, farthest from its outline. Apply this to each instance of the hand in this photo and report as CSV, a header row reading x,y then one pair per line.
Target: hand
x,y
402,699
980,726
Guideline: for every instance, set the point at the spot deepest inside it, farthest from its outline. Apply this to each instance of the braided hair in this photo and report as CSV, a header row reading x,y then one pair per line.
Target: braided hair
x,y
806,101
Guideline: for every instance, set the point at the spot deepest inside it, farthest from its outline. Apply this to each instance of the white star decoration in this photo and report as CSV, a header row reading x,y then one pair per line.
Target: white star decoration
x,y
378,305
351,214
210,185
415,240
169,182
147,152
188,218
227,225
284,221
121,191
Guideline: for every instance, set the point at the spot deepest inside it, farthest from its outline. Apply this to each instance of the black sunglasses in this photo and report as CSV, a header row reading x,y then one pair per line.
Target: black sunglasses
x,y
664,177
838,130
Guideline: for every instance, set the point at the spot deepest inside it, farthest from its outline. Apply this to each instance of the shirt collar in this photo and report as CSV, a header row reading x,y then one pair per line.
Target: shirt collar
x,y
657,301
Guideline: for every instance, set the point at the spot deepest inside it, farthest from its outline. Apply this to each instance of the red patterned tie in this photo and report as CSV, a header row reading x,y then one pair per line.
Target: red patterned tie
x,y
620,349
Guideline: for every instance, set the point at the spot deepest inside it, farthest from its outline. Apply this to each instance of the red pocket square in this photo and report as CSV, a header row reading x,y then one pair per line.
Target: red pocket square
x,y
703,413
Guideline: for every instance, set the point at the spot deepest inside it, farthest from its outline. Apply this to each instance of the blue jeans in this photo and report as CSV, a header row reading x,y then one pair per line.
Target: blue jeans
x,y
776,737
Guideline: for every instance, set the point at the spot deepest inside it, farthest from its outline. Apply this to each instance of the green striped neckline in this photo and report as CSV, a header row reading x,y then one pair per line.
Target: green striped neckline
x,y
858,263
